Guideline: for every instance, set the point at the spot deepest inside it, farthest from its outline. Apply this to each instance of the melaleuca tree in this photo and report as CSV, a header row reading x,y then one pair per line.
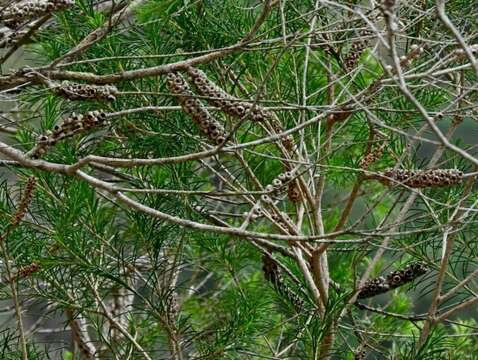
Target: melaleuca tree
x,y
238,179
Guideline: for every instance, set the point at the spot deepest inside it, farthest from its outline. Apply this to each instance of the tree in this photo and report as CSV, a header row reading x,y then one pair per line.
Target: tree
x,y
239,179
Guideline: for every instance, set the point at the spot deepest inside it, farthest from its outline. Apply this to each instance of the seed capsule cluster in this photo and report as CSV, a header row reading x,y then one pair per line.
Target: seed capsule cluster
x,y
356,50
24,202
27,270
257,212
193,107
422,178
218,97
360,355
374,155
87,92
278,183
288,140
273,274
9,38
70,127
393,280
16,14
293,192
283,220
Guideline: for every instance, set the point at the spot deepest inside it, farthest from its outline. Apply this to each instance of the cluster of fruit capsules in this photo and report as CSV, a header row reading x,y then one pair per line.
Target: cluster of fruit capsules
x,y
193,107
360,354
218,97
422,178
84,91
371,157
277,184
24,202
356,50
273,274
283,220
16,14
70,127
293,192
8,38
28,270
393,280
256,212
288,140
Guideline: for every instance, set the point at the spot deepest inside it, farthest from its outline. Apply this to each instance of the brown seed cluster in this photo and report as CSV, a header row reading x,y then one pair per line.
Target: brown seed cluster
x,y
393,280
422,178
288,140
356,50
24,202
27,270
70,127
194,108
87,92
16,14
273,274
373,156
293,192
218,97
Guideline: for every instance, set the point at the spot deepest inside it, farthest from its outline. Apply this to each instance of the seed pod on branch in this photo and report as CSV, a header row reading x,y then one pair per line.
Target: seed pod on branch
x,y
218,97
293,192
356,50
71,126
278,183
16,14
194,108
274,275
24,202
27,270
74,91
393,280
421,178
360,354
371,157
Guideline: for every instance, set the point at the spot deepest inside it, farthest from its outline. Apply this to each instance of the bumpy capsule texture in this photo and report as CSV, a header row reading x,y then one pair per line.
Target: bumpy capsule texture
x,y
283,221
16,14
393,280
194,108
293,192
87,92
218,97
373,156
360,355
257,212
273,274
277,184
24,202
356,50
422,178
27,270
71,126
